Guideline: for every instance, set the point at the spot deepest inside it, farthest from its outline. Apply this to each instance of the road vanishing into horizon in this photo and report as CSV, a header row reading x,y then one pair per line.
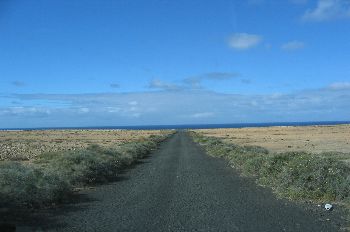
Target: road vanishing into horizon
x,y
180,188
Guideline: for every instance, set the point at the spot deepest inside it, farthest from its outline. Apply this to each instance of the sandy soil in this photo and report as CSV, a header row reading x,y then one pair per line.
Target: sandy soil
x,y
26,145
315,139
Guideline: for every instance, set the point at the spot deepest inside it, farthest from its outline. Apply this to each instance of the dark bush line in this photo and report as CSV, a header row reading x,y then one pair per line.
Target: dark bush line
x,y
295,175
53,176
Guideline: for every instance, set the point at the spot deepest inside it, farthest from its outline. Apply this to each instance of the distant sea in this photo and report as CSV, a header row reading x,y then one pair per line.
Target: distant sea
x,y
187,126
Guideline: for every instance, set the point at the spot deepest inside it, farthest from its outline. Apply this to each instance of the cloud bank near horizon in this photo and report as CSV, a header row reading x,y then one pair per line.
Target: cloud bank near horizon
x,y
331,103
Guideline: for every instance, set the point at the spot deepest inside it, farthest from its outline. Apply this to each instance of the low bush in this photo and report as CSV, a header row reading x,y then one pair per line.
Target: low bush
x,y
30,185
96,164
296,175
53,176
309,176
79,167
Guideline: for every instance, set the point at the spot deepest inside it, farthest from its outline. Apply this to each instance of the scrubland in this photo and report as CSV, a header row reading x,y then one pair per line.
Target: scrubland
x,y
314,139
301,163
28,144
45,167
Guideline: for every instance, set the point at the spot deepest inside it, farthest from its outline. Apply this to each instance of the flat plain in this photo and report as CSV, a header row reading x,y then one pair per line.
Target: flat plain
x,y
178,187
28,144
313,139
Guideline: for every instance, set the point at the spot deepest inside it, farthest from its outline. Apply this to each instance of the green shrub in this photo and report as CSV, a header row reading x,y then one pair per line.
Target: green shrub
x,y
53,175
296,175
30,185
78,167
138,149
255,149
95,164
310,176
252,164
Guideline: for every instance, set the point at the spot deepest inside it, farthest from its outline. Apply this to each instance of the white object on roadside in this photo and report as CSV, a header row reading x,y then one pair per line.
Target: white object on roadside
x,y
328,206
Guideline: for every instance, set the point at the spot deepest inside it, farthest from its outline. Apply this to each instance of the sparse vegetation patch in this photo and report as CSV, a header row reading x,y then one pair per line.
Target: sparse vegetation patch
x,y
295,175
52,176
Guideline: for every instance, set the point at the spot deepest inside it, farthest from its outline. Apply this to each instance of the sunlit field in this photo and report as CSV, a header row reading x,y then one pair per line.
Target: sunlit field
x,y
27,145
331,140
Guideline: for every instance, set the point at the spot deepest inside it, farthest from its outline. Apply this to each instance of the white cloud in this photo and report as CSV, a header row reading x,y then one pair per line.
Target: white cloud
x,y
84,110
132,109
339,86
136,115
158,84
293,45
218,75
202,115
133,103
25,111
195,82
244,41
328,10
111,109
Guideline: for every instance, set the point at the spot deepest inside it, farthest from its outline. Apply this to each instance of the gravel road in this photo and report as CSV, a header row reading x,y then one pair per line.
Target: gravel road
x,y
180,188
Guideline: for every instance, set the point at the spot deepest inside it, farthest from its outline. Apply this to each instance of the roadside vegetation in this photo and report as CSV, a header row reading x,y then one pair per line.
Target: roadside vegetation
x,y
52,177
293,175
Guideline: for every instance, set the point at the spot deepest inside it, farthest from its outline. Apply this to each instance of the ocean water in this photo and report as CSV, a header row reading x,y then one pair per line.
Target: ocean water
x,y
190,126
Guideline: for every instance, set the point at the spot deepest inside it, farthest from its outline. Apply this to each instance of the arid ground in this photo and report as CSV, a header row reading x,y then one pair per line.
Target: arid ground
x,y
314,139
180,188
26,145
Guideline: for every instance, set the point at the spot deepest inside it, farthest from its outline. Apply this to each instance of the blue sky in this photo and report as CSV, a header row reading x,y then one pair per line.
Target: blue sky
x,y
94,63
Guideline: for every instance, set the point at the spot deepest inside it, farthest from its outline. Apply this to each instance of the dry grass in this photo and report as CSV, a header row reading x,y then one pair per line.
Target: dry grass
x,y
27,145
278,139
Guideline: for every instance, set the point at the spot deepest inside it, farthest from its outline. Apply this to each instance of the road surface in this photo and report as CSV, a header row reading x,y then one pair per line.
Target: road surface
x,y
180,188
